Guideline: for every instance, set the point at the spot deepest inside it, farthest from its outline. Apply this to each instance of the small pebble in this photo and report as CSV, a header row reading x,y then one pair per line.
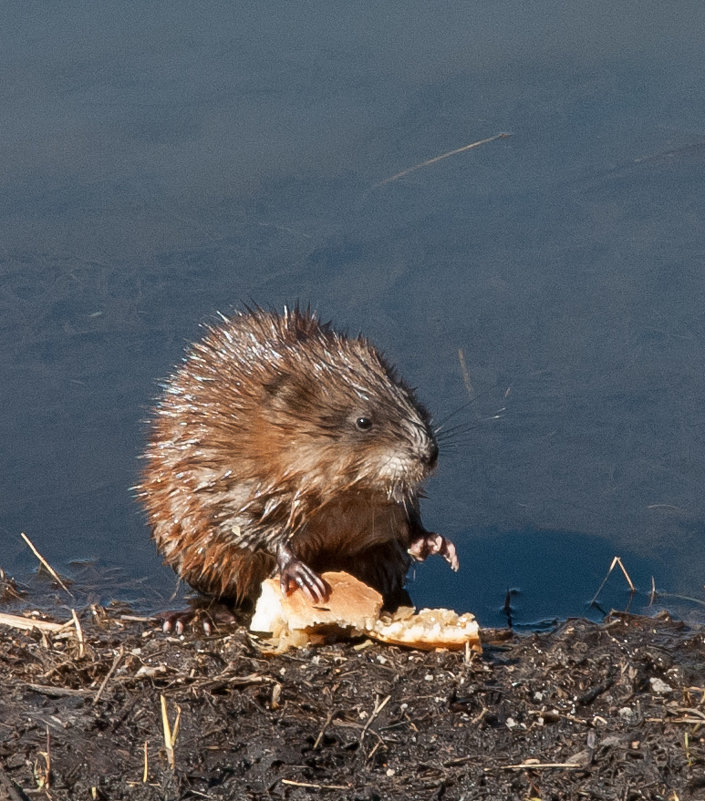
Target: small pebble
x,y
659,686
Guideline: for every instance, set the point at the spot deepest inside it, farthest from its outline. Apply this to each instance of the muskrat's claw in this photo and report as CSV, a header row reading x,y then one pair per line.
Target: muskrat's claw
x,y
176,622
429,543
294,573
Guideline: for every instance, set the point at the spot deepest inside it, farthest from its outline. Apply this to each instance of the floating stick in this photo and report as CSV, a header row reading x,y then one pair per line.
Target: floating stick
x,y
466,374
436,159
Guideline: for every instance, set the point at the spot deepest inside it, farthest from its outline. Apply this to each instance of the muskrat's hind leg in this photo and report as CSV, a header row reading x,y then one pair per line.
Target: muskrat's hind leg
x,y
203,613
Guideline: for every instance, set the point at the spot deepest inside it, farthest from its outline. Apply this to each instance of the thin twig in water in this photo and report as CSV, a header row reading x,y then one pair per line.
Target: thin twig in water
x,y
616,561
466,374
678,597
45,564
436,159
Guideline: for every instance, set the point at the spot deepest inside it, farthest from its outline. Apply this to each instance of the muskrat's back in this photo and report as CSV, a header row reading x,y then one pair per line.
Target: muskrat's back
x,y
282,444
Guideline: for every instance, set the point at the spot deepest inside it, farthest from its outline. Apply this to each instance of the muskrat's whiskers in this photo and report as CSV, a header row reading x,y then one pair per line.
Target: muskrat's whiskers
x,y
452,414
474,400
451,434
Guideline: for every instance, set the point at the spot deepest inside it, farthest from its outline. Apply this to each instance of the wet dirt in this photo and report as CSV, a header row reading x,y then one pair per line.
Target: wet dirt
x,y
611,710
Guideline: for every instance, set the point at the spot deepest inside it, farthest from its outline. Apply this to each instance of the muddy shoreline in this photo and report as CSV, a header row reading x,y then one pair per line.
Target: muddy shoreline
x,y
613,710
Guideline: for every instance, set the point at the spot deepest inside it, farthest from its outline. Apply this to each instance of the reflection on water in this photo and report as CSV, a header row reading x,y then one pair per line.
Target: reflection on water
x,y
157,169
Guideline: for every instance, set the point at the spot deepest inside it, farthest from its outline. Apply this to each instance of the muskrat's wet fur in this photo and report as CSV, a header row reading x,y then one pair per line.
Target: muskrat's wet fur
x,y
281,443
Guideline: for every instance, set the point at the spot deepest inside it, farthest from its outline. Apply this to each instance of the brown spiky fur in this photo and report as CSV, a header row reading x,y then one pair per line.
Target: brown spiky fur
x,y
257,441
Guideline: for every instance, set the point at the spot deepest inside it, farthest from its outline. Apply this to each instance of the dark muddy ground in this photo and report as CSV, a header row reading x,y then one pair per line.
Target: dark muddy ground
x,y
590,711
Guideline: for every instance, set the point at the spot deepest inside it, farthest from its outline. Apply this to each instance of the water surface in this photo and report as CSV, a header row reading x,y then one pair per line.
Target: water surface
x,y
162,163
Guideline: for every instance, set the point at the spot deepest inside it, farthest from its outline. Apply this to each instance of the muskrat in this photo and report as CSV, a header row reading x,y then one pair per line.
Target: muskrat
x,y
283,444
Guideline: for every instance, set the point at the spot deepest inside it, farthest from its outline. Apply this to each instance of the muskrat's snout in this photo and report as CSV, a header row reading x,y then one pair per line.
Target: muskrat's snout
x,y
425,447
428,452
432,456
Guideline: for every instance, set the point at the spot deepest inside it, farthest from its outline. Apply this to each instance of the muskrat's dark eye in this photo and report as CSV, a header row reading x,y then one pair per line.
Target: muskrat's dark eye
x,y
363,423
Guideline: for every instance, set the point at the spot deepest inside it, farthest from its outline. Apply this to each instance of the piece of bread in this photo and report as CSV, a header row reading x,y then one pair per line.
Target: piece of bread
x,y
352,609
429,629
351,605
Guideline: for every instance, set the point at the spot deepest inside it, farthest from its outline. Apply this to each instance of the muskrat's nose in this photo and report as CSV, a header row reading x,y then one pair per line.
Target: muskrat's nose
x,y
432,455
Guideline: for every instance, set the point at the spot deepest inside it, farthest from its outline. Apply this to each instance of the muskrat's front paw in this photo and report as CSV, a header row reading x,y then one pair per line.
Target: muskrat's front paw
x,y
431,543
294,573
297,574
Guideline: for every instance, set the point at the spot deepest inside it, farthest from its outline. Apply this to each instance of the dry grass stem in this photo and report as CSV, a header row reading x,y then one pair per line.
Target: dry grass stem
x,y
322,732
436,159
46,564
170,734
529,765
79,635
28,623
108,675
55,692
375,712
43,773
309,786
275,696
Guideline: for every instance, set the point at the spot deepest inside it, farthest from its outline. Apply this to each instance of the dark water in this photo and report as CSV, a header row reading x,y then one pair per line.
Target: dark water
x,y
162,162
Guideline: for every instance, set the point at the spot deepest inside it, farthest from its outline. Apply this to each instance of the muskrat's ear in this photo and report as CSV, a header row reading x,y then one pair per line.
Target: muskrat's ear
x,y
276,385
286,392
